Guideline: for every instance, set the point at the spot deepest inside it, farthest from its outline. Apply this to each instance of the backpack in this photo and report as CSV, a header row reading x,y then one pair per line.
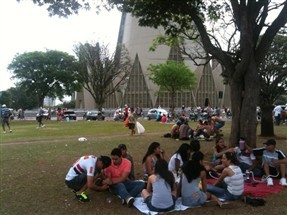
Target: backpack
x,y
6,113
255,202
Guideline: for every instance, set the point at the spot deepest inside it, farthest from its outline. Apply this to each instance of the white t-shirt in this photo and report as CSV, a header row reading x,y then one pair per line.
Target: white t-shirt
x,y
171,164
277,110
84,165
243,158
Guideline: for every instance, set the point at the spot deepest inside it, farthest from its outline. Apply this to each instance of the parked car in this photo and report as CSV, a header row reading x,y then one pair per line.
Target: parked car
x,y
151,114
45,115
70,115
94,115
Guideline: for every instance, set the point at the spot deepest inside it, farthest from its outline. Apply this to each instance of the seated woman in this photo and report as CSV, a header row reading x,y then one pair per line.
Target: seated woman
x,y
193,172
218,150
160,194
179,158
153,153
185,132
230,184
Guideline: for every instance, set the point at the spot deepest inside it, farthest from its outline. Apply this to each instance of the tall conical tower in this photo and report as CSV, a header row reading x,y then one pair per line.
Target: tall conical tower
x,y
140,91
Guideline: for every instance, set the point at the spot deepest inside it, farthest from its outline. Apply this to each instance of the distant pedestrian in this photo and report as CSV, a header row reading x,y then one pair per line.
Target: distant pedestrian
x,y
40,117
5,118
277,114
132,121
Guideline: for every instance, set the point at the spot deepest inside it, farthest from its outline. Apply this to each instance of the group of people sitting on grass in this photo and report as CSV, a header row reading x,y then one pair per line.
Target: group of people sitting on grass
x,y
183,175
205,130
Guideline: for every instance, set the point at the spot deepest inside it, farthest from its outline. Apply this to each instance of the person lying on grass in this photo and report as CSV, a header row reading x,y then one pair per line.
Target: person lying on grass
x,y
84,172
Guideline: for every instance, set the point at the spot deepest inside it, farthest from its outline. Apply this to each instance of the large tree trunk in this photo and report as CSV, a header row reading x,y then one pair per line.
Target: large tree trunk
x,y
267,126
244,101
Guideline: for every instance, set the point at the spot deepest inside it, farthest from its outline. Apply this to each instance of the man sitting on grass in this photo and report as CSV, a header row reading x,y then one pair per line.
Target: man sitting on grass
x,y
83,173
117,178
269,154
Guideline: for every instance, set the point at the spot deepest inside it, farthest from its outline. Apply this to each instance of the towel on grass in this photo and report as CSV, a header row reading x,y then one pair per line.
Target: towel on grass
x,y
142,207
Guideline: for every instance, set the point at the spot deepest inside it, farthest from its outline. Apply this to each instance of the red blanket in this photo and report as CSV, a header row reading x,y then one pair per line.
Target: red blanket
x,y
258,189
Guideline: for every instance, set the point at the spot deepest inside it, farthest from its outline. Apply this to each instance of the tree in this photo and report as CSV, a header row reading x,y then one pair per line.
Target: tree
x,y
6,98
101,73
18,98
172,77
273,77
236,45
51,73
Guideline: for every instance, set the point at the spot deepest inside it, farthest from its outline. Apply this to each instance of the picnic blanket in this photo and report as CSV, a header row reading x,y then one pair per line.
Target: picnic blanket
x,y
257,189
254,189
142,207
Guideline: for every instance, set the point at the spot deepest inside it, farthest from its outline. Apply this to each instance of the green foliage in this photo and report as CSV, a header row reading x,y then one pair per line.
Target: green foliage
x,y
172,76
70,105
63,8
50,73
102,73
166,40
273,72
18,98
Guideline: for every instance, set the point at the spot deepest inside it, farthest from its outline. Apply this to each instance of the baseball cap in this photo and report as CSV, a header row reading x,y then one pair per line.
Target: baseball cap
x,y
122,146
106,161
3,105
270,142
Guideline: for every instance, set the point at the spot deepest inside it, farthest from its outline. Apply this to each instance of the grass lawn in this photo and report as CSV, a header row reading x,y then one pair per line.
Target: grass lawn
x,y
34,163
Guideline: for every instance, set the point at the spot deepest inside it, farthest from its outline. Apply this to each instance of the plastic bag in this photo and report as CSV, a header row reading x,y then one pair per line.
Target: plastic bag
x,y
140,128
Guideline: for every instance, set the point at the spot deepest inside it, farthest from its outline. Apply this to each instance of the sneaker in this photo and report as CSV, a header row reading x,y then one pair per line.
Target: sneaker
x,y
282,182
42,126
10,131
4,132
82,197
130,201
123,201
270,182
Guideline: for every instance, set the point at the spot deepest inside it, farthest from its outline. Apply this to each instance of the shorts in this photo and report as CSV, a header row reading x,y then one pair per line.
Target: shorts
x,y
131,126
77,183
152,208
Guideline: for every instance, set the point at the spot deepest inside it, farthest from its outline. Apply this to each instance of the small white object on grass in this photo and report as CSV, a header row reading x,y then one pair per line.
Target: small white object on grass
x,y
82,139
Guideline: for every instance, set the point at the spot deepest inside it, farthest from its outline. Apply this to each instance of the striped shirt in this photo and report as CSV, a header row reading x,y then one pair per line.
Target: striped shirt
x,y
235,183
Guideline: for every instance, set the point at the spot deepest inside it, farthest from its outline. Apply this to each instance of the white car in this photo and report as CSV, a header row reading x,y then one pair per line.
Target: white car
x,y
151,114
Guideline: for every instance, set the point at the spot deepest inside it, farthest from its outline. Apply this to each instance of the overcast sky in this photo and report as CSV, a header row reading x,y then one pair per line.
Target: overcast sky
x,y
26,27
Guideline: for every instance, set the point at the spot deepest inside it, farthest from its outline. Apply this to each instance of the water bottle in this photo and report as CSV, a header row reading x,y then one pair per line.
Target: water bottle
x,y
247,176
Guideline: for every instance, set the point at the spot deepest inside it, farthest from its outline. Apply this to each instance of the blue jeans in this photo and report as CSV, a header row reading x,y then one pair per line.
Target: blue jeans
x,y
127,188
222,192
219,125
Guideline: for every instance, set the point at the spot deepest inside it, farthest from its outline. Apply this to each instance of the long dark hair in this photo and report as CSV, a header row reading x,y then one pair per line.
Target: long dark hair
x,y
182,150
232,157
194,145
218,149
150,150
193,168
161,168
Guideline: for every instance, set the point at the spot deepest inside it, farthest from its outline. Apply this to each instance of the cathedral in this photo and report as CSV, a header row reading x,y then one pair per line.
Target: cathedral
x,y
140,91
